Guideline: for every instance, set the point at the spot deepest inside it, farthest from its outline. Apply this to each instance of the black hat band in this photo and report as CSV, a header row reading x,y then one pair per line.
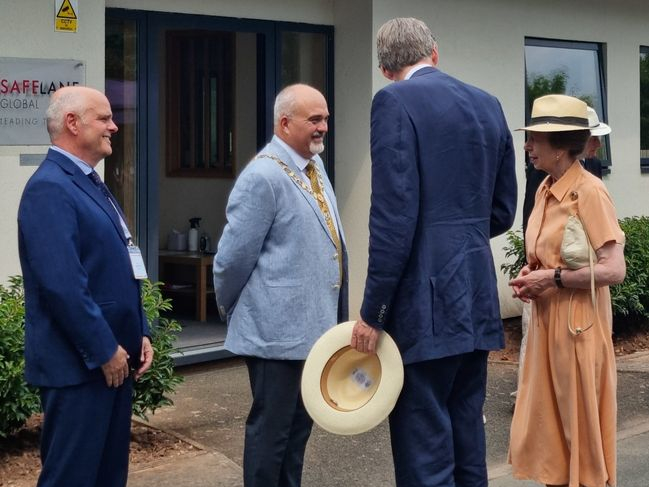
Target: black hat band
x,y
582,122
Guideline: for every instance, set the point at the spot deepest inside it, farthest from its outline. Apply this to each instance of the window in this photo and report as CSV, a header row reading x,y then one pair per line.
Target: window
x,y
200,95
570,68
644,109
304,60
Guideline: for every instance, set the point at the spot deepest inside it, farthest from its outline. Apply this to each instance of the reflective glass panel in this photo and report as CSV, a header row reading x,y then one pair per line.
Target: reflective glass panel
x,y
121,90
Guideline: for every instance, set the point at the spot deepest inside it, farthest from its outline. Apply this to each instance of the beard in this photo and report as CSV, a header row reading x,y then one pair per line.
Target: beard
x,y
316,147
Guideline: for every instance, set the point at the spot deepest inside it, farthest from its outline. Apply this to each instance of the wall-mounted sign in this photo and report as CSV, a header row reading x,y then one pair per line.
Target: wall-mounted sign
x,y
25,89
65,15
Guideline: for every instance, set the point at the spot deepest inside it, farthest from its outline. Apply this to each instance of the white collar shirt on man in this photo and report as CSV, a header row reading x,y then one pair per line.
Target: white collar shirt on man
x,y
299,161
416,68
301,164
84,166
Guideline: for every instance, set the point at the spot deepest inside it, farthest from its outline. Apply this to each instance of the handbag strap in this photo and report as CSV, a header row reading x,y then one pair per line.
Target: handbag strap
x,y
593,295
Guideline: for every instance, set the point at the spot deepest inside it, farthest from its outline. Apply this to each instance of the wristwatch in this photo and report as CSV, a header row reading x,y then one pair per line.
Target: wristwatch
x,y
557,277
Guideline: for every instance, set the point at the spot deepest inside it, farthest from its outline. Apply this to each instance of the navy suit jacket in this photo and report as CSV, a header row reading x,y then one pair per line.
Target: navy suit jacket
x,y
443,184
81,299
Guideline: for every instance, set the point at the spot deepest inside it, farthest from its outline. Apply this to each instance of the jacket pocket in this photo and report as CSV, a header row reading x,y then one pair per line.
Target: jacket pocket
x,y
287,308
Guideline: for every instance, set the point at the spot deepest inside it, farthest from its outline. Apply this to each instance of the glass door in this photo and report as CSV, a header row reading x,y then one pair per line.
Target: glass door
x,y
121,89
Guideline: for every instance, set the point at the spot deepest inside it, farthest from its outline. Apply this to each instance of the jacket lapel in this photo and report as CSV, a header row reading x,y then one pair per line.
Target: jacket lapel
x,y
277,150
83,182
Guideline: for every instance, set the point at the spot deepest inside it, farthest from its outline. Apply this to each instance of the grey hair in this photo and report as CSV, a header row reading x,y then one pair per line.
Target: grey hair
x,y
403,42
60,104
284,104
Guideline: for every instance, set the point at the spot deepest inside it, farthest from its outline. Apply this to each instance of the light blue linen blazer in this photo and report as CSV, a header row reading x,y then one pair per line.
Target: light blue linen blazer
x,y
276,273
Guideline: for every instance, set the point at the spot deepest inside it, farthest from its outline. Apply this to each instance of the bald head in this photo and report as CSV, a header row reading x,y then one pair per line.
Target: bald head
x,y
80,121
301,117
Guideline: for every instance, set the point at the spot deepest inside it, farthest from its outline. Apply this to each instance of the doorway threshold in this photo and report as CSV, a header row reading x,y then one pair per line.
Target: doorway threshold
x,y
199,341
199,354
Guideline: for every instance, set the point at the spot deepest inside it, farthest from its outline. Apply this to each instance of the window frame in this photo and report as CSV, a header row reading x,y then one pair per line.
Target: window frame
x,y
644,161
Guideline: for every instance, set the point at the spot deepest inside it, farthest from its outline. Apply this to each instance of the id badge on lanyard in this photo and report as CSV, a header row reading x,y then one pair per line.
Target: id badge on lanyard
x,y
137,262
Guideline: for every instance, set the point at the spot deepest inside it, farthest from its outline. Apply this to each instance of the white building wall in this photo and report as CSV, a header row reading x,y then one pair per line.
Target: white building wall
x,y
27,31
481,42
354,39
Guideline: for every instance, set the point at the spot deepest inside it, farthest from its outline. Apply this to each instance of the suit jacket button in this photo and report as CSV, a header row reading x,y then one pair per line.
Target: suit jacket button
x,y
335,286
335,256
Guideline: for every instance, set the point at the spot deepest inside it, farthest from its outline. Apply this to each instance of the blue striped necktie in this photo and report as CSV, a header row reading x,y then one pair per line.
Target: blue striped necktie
x,y
94,177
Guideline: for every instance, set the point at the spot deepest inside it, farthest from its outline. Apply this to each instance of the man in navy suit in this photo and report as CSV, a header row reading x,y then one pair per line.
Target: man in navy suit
x,y
86,335
443,184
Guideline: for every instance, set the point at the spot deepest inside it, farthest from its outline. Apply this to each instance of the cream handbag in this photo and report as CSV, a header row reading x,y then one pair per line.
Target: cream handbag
x,y
577,252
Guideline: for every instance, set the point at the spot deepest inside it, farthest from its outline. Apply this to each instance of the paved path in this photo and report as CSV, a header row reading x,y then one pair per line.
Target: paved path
x,y
211,407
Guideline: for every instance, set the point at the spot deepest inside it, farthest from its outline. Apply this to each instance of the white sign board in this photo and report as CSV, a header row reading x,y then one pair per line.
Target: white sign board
x,y
25,89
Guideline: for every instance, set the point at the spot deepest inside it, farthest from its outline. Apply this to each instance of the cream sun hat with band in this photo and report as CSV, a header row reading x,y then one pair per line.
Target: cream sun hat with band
x,y
348,392
558,113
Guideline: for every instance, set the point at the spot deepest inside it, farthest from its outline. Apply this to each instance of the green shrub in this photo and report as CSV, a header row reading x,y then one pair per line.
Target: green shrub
x,y
18,401
630,299
515,249
152,388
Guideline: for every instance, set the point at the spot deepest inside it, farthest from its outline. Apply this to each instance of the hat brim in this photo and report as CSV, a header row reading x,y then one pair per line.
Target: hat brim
x,y
552,127
601,129
376,409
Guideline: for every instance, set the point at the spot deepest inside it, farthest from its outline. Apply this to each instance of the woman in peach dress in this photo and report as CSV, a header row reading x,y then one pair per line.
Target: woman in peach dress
x,y
564,425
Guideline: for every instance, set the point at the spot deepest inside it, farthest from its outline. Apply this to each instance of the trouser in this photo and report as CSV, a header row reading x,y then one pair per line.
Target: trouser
x,y
278,426
436,427
86,435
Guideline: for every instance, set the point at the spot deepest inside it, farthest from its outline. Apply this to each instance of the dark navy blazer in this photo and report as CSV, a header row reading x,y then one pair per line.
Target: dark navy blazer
x,y
81,298
443,184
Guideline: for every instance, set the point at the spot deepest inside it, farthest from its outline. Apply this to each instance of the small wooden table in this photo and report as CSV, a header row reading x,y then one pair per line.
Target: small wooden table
x,y
202,264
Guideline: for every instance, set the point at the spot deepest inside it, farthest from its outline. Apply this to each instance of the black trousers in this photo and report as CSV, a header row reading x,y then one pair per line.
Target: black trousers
x,y
436,428
278,426
86,435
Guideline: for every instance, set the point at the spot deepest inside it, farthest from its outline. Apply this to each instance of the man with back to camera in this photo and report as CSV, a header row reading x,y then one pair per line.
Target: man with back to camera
x,y
280,277
85,329
443,184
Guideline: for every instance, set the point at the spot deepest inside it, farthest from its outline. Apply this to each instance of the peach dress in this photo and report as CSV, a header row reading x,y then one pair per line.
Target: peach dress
x,y
564,425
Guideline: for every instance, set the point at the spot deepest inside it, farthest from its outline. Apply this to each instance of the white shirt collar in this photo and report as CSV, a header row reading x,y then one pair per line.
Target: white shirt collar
x,y
416,68
84,166
299,161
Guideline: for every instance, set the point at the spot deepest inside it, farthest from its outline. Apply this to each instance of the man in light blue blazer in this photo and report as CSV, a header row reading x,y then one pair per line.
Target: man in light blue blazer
x,y
443,184
280,277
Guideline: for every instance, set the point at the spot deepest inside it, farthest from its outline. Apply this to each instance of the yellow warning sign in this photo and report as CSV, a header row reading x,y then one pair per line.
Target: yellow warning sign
x,y
66,16
66,11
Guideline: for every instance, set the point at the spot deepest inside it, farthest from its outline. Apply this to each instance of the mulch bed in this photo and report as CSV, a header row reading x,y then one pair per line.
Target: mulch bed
x,y
20,461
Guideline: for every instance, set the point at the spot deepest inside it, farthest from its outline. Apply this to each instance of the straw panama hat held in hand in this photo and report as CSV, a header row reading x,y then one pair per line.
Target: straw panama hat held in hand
x,y
348,392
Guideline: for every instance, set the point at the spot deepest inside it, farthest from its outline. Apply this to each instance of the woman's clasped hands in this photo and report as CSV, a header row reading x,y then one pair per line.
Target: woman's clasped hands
x,y
531,283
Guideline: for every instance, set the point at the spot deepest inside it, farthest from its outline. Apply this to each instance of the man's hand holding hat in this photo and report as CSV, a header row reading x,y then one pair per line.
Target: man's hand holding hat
x,y
364,337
